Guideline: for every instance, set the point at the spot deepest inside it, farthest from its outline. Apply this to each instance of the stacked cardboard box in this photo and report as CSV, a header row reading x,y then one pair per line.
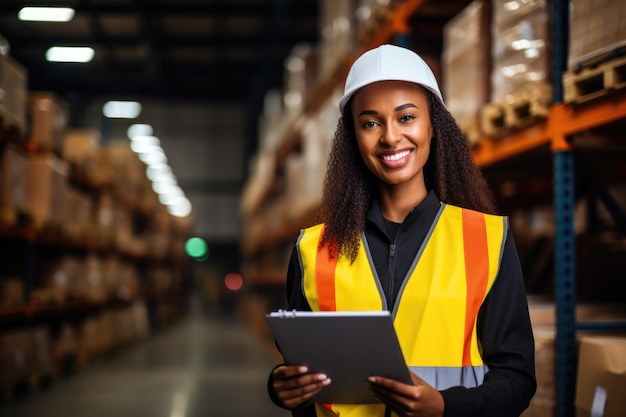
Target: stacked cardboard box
x,y
12,168
597,30
543,319
44,186
48,117
601,377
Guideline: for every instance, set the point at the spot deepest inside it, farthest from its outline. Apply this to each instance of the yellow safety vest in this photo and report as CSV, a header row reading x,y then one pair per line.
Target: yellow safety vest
x,y
437,307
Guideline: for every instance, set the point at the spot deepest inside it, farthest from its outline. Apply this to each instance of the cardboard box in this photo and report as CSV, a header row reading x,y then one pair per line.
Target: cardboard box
x,y
12,170
49,116
601,377
597,29
44,183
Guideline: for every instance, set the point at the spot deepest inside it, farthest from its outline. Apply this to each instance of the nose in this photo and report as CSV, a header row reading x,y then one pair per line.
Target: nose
x,y
391,135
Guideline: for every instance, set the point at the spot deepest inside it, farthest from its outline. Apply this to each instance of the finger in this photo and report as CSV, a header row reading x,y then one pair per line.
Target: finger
x,y
397,403
392,385
302,391
287,372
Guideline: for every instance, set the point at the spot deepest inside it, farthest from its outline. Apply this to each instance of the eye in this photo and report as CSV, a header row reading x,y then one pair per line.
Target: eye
x,y
407,118
369,124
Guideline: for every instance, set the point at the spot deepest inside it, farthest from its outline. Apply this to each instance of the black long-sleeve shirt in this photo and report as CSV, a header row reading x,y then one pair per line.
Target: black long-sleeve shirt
x,y
503,325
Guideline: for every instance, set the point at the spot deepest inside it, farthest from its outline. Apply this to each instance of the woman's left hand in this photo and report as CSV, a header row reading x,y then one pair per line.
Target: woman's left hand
x,y
417,400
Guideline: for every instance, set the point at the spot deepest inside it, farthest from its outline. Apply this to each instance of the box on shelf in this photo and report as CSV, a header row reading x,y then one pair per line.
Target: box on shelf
x,y
11,292
520,41
337,34
43,189
128,172
601,377
13,92
543,320
80,147
597,30
305,172
466,63
79,213
48,117
56,280
300,78
12,171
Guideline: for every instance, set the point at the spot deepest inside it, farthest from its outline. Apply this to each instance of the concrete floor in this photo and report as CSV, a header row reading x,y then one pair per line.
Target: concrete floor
x,y
205,366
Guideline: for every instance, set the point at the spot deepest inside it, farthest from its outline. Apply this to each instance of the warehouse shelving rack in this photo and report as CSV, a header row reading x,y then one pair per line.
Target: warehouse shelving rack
x,y
555,131
28,243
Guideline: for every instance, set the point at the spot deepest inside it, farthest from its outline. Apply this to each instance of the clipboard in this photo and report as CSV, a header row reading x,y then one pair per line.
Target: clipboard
x,y
348,346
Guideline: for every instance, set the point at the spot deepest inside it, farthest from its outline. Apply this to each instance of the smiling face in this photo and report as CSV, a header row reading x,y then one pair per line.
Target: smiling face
x,y
393,131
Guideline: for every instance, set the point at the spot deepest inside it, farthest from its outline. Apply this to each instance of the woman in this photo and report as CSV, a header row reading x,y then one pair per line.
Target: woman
x,y
406,207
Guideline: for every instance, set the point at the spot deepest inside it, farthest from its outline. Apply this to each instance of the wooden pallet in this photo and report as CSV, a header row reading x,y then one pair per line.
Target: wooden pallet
x,y
527,105
472,131
596,81
493,121
521,108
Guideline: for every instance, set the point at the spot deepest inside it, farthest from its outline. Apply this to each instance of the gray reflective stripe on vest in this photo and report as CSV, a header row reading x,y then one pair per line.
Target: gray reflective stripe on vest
x,y
446,377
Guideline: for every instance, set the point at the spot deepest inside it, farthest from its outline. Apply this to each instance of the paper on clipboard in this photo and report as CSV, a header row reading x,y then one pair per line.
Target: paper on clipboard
x,y
348,346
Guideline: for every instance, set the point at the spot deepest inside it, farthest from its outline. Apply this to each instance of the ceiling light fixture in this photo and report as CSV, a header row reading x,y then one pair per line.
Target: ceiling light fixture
x,y
121,109
79,54
46,14
139,129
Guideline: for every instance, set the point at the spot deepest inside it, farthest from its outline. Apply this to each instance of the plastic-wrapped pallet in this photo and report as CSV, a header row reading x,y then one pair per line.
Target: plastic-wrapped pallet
x,y
337,34
466,61
13,91
597,29
520,34
300,78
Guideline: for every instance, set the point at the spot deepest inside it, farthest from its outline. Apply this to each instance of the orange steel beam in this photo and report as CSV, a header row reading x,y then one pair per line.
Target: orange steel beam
x,y
562,122
492,150
397,23
610,108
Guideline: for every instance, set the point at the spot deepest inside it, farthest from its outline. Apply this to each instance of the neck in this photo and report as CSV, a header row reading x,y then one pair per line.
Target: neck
x,y
397,201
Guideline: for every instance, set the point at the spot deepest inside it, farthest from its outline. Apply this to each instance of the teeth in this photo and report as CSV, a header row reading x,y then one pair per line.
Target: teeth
x,y
396,156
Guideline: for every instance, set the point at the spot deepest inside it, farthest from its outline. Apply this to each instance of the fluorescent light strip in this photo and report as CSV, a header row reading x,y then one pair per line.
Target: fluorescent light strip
x,y
121,109
79,54
46,14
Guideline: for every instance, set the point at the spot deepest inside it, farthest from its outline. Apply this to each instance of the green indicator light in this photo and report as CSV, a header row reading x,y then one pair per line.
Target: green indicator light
x,y
196,248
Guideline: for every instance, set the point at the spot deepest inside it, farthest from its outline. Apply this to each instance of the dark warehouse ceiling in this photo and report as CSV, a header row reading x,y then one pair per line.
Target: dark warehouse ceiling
x,y
209,50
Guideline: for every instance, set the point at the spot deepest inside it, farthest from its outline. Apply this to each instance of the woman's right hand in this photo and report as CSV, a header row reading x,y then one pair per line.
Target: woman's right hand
x,y
293,385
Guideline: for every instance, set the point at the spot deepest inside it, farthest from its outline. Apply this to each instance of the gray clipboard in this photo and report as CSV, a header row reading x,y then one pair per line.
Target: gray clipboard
x,y
348,346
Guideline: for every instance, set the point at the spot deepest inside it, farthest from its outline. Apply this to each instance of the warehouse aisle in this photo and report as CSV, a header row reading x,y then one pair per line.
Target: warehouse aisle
x,y
202,367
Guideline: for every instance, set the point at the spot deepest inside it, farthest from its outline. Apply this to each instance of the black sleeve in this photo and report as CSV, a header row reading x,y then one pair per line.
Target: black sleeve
x,y
295,293
507,343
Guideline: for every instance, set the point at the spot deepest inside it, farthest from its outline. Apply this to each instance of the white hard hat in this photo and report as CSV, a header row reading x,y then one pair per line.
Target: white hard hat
x,y
388,63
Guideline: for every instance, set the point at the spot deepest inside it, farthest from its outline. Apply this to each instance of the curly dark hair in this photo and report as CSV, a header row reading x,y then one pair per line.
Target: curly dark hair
x,y
349,186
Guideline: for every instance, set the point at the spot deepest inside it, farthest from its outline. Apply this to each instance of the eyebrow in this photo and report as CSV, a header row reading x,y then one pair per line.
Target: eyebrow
x,y
399,108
